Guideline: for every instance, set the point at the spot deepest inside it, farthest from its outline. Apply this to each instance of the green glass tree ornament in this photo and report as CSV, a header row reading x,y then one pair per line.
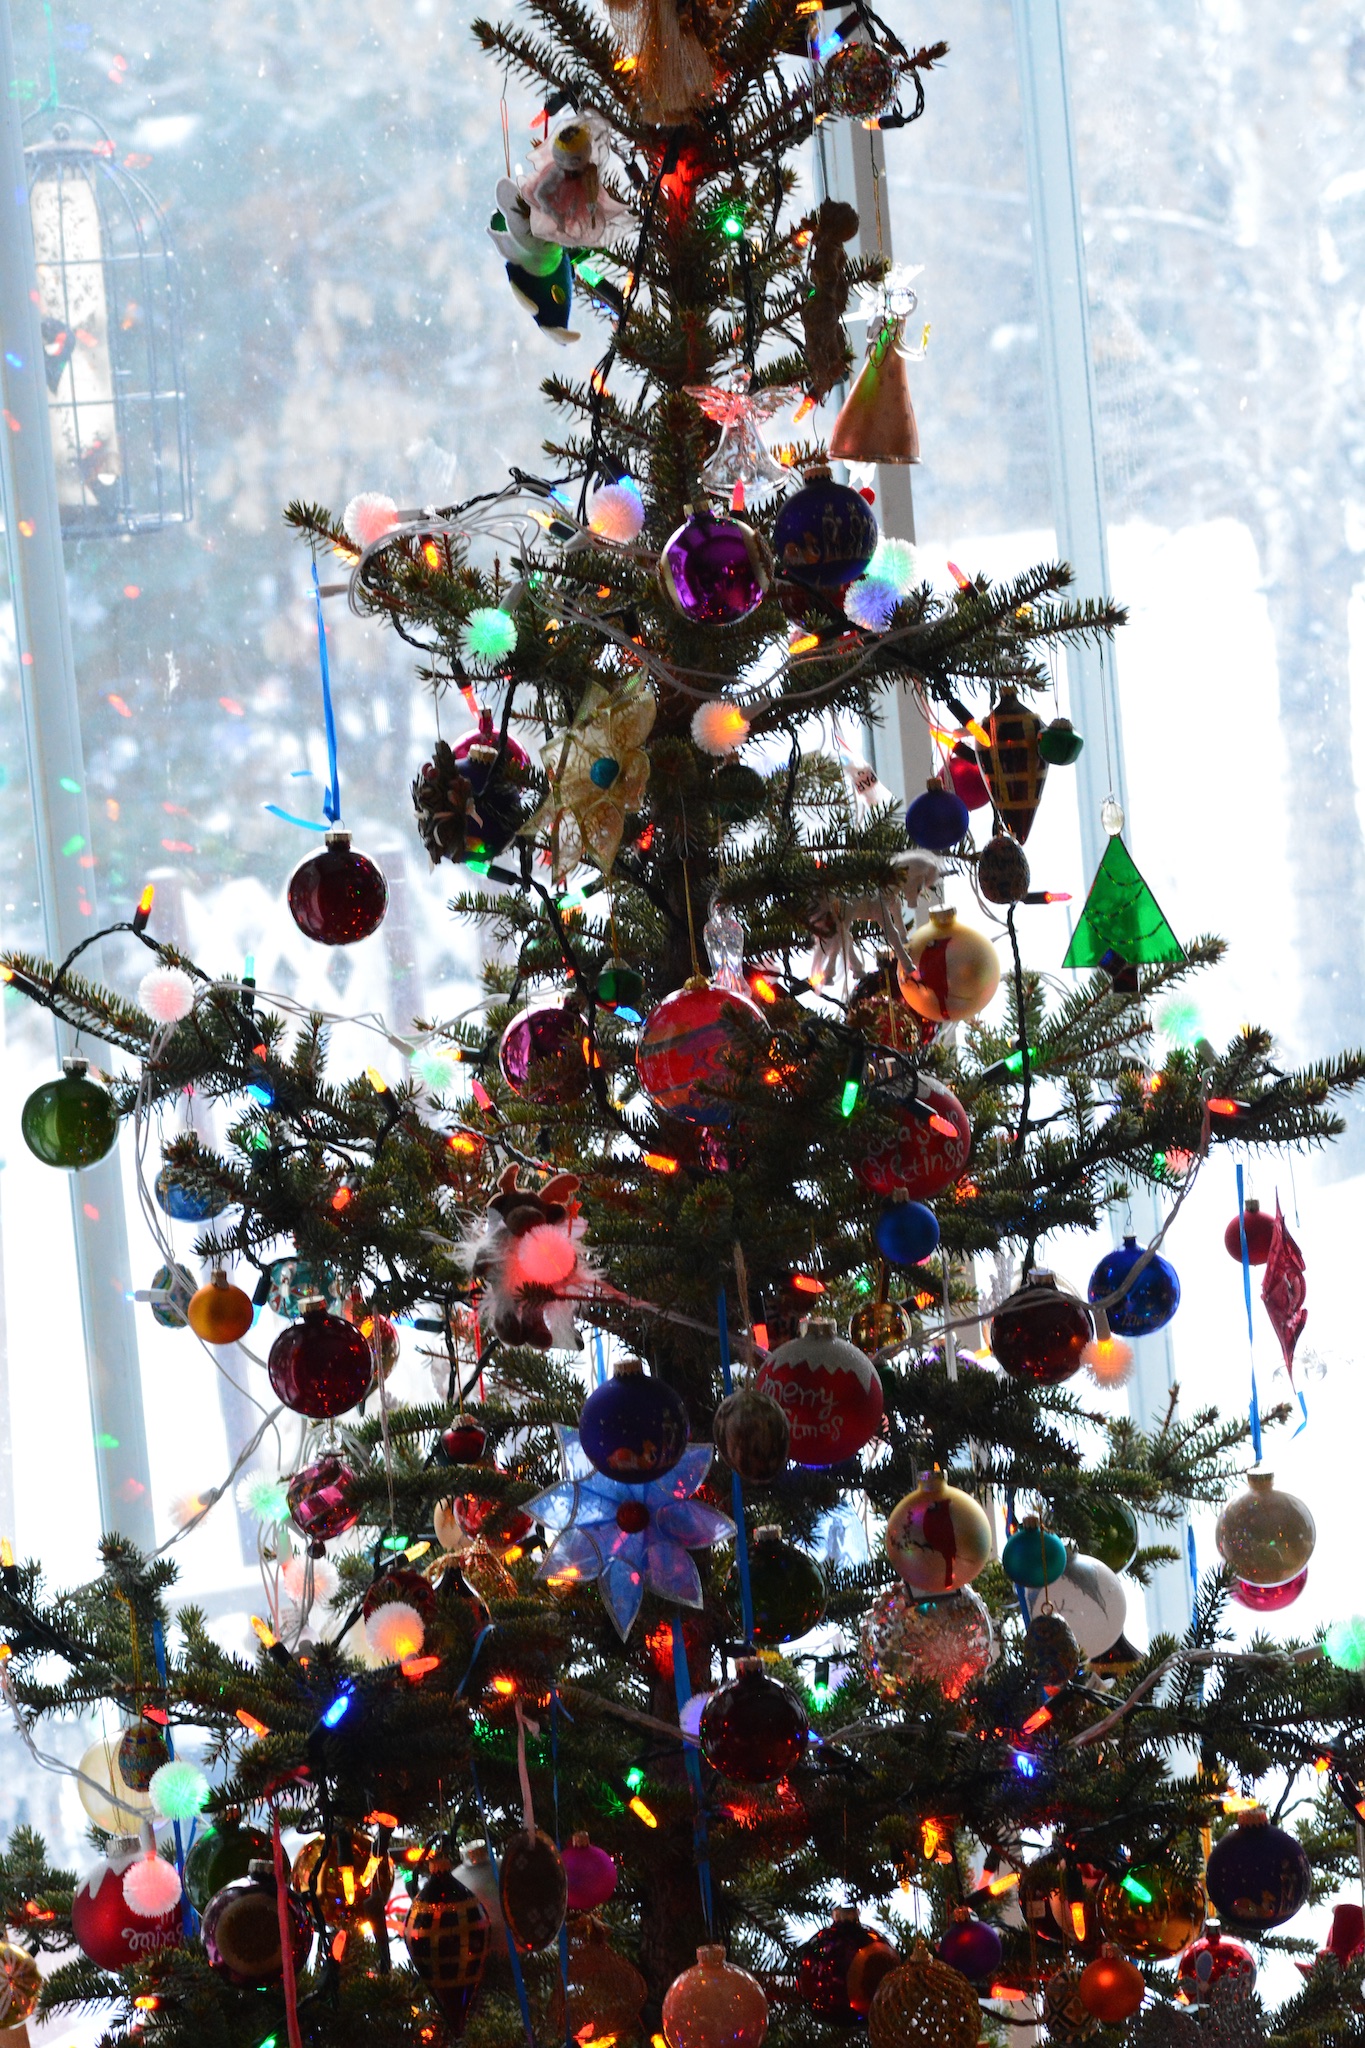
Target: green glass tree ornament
x,y
1122,923
71,1121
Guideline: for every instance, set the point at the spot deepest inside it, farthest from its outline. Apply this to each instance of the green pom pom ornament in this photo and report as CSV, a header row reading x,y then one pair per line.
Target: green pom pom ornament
x,y
492,635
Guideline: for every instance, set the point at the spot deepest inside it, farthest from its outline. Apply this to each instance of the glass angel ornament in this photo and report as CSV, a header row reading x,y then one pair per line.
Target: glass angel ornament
x,y
876,422
597,770
624,1538
740,457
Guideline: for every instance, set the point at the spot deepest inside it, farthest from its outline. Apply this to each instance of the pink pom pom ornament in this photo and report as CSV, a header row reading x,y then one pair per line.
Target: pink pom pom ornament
x,y
368,517
151,1887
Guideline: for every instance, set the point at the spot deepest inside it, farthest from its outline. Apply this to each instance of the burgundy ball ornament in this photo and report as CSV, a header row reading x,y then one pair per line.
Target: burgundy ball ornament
x,y
1268,1599
829,1392
927,1154
1260,1230
714,570
634,1426
463,1443
591,1875
824,1962
541,1055
1258,1875
105,1926
241,1930
694,1046
337,896
753,1729
317,1502
938,819
1038,1333
787,1589
320,1366
825,534
972,1947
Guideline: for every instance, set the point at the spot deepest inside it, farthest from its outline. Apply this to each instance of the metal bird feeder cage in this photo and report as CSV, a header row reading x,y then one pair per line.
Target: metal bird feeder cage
x,y
108,294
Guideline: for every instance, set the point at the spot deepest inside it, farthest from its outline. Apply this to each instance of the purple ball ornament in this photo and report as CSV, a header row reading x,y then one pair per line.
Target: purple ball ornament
x,y
716,571
591,1875
972,1947
541,1055
317,1500
938,819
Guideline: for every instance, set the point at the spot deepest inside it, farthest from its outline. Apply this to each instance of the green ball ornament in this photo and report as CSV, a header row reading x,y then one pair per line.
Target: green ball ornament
x,y
787,1587
621,989
219,1856
70,1122
1059,743
1113,1534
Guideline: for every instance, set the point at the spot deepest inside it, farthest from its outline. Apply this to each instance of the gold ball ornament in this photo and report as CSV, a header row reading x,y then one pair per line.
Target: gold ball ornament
x,y
1265,1536
938,1537
1151,1911
20,1982
956,971
924,2001
344,1875
219,1312
1111,1987
606,1993
881,1326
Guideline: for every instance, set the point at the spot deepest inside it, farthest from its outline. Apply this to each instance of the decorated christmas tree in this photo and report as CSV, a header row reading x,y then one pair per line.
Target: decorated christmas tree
x,y
726,1222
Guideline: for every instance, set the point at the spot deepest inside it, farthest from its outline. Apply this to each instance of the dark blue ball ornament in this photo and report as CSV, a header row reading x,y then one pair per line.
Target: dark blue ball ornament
x,y
1258,1876
183,1203
825,534
633,1427
1152,1299
937,819
906,1233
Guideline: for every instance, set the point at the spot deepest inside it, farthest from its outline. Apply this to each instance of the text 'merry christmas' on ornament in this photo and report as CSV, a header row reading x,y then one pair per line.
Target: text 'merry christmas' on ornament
x,y
829,1392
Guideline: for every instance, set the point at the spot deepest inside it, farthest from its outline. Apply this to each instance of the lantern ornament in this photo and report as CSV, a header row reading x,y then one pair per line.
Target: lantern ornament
x,y
109,304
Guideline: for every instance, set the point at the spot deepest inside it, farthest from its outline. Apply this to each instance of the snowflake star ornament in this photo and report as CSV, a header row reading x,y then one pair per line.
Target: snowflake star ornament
x,y
625,1538
597,771
740,457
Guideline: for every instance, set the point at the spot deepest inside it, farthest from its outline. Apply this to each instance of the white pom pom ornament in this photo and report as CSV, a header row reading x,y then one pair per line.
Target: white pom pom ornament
x,y
617,511
719,727
369,517
166,994
151,1886
395,1631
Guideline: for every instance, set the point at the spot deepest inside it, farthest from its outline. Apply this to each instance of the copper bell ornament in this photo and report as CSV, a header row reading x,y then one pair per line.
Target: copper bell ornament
x,y
876,422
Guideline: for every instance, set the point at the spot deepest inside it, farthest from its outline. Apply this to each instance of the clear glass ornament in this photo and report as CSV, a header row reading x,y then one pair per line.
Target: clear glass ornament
x,y
946,1642
723,937
1111,816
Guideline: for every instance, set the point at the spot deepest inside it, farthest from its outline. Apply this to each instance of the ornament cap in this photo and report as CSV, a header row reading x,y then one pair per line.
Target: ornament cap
x,y
749,1667
1254,1817
338,838
1261,1482
579,1839
627,1368
477,1852
263,1872
820,1326
934,1482
943,918
711,1955
846,1913
75,1066
770,1532
1251,1206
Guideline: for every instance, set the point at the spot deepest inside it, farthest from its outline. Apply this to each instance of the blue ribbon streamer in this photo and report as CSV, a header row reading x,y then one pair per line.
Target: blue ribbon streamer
x,y
307,824
746,1598
599,1362
1246,1290
189,1919
1190,1554
518,1981
331,802
682,1693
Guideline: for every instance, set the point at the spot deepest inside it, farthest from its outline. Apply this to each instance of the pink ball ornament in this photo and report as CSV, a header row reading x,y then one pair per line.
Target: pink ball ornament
x,y
105,1926
829,1392
1268,1599
368,517
591,1874
694,1045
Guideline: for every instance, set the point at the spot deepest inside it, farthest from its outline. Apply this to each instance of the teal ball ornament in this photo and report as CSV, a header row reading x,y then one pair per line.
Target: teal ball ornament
x,y
70,1121
1033,1556
825,535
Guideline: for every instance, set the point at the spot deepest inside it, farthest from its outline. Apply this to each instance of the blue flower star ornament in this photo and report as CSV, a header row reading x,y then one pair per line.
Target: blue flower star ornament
x,y
627,1537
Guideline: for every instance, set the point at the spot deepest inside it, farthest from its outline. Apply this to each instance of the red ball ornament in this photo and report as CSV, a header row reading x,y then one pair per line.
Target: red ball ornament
x,y
410,1587
824,1962
1111,1988
1209,1960
968,781
1260,1231
694,1046
923,1157
105,1926
463,1443
498,1522
542,1056
591,1875
1268,1599
829,1392
1039,1333
320,1366
337,896
753,1729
